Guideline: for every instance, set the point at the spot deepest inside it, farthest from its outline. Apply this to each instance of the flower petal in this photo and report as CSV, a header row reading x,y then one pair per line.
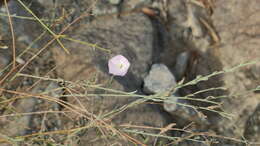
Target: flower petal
x,y
118,65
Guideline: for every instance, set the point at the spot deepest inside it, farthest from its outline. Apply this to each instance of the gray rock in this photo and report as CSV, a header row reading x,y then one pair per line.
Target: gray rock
x,y
181,65
119,37
159,79
174,104
176,107
132,36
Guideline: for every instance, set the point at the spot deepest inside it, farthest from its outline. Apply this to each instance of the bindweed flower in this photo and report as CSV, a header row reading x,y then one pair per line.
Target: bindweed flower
x,y
118,65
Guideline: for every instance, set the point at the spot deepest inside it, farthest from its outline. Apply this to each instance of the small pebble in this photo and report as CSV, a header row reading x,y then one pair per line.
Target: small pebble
x,y
115,2
159,79
20,60
181,65
3,47
170,104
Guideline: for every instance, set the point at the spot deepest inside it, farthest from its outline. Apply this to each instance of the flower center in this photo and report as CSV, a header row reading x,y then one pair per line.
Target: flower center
x,y
120,65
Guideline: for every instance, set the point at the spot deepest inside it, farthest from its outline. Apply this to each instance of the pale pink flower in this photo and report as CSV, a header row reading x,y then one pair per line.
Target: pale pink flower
x,y
118,65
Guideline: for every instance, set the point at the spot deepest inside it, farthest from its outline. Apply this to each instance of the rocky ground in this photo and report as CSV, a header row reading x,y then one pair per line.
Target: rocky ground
x,y
60,92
